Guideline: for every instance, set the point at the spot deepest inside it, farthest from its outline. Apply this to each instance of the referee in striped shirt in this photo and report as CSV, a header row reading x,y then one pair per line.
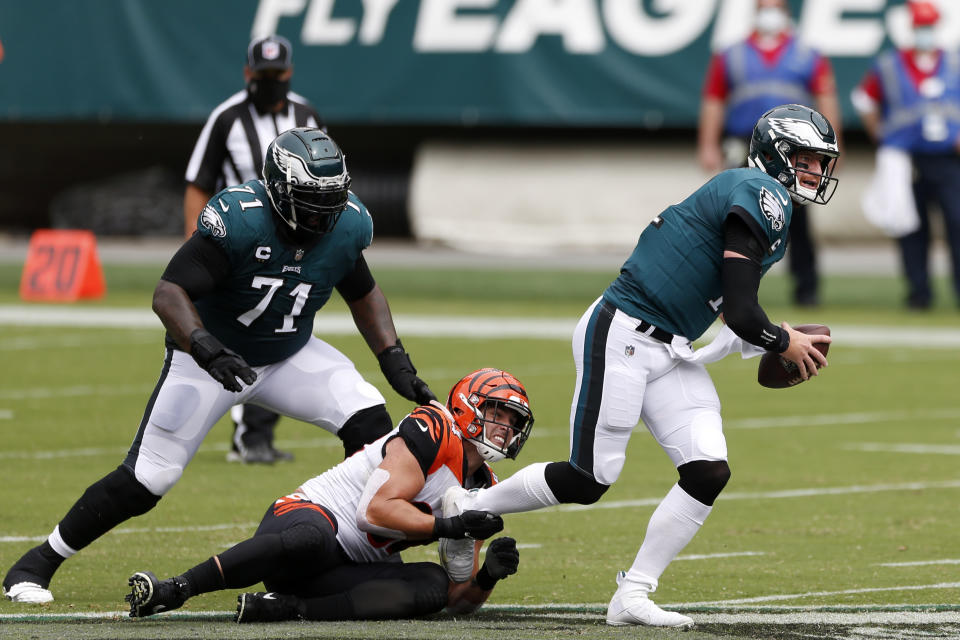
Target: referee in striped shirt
x,y
230,151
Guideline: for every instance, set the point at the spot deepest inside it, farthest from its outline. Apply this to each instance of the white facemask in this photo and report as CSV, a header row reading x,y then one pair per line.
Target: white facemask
x,y
772,20
924,39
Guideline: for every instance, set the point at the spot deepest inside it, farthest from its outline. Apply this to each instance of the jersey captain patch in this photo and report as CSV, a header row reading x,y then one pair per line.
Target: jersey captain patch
x,y
772,209
210,219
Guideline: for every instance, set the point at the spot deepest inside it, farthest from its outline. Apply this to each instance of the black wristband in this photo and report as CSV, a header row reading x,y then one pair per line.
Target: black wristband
x,y
448,528
204,347
484,580
783,341
395,351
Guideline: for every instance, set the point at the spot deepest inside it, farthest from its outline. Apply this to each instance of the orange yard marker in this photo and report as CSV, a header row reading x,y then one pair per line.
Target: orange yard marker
x,y
62,266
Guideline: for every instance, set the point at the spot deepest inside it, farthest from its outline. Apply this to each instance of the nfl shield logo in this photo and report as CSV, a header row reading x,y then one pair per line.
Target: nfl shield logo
x,y
271,50
629,350
298,256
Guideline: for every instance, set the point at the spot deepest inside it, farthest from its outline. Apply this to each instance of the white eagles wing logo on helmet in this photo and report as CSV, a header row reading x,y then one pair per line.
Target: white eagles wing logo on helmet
x,y
210,219
772,209
295,169
800,132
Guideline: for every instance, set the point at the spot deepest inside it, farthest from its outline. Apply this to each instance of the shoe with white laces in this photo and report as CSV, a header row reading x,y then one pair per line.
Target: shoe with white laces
x,y
632,606
28,592
456,556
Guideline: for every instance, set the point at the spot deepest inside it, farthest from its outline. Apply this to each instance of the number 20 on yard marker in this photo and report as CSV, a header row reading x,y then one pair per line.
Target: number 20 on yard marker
x,y
62,265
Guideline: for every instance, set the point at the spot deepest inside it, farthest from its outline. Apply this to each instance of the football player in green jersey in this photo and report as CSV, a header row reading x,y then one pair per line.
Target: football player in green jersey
x,y
695,261
238,301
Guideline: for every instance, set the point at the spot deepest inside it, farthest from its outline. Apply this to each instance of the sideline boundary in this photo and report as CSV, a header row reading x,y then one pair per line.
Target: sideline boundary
x,y
738,614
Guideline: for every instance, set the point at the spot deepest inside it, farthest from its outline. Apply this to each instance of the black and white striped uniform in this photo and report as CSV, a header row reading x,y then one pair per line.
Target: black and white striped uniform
x,y
232,144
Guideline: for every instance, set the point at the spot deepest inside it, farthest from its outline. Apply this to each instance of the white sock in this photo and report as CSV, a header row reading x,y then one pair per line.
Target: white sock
x,y
672,526
526,490
61,547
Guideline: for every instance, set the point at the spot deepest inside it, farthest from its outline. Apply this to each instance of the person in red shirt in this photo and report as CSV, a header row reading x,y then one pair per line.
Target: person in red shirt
x,y
910,100
769,68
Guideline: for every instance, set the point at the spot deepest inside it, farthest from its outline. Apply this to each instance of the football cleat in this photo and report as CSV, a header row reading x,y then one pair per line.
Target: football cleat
x,y
632,606
256,453
456,556
28,592
265,607
149,596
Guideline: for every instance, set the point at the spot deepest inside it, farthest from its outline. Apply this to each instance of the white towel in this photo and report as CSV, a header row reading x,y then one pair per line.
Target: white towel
x,y
888,200
725,343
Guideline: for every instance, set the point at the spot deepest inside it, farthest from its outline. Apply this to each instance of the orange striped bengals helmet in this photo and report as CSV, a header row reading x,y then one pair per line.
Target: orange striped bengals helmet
x,y
492,410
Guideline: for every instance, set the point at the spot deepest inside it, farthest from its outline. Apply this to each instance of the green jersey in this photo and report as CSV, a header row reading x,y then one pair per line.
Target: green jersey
x,y
672,278
264,310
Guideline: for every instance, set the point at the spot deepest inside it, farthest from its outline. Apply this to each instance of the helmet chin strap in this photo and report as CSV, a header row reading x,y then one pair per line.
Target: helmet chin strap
x,y
486,451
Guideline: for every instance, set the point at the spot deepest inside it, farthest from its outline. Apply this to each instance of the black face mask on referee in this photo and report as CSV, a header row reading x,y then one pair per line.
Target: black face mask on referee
x,y
266,92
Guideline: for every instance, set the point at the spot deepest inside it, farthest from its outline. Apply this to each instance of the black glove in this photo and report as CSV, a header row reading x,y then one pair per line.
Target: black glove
x,y
399,372
221,363
502,560
478,525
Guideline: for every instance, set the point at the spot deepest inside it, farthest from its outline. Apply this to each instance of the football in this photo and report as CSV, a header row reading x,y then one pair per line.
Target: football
x,y
776,372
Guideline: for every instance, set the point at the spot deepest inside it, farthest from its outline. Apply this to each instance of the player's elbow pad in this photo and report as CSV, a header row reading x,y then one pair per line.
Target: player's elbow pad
x,y
377,479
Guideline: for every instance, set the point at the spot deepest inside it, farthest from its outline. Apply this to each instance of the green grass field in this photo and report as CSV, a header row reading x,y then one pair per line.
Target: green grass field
x,y
841,509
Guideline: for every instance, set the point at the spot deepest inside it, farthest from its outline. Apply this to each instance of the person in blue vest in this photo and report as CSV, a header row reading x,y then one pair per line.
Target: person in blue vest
x,y
698,260
769,68
910,100
238,301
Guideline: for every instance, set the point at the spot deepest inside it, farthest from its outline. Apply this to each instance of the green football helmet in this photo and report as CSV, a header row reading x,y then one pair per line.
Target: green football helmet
x,y
786,130
307,181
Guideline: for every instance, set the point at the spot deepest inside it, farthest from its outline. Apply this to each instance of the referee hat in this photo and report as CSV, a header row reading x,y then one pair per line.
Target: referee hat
x,y
269,52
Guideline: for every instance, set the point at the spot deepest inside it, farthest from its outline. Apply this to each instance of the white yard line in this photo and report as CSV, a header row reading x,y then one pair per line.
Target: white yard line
x,y
339,323
769,495
892,614
815,594
86,452
76,391
650,502
830,618
919,563
711,556
129,530
906,447
856,417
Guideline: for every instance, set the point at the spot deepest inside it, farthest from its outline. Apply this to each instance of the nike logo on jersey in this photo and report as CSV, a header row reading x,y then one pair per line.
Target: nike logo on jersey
x,y
420,424
785,201
223,207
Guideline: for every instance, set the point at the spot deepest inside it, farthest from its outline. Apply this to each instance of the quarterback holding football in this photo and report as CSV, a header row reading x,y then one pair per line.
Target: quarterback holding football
x,y
699,258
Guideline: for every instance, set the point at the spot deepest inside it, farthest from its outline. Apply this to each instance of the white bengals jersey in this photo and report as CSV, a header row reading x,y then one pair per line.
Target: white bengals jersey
x,y
435,442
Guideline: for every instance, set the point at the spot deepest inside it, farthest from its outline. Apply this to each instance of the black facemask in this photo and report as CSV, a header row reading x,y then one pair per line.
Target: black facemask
x,y
266,92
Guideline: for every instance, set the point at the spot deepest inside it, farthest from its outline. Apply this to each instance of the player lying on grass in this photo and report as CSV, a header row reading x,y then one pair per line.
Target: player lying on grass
x,y
329,550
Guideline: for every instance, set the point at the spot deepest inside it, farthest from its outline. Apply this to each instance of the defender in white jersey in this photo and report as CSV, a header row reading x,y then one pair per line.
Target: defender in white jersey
x,y
329,551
